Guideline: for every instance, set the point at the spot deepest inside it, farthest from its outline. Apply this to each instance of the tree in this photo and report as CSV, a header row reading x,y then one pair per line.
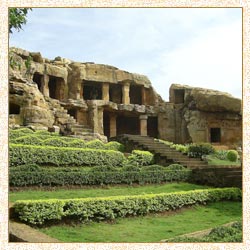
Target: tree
x,y
17,18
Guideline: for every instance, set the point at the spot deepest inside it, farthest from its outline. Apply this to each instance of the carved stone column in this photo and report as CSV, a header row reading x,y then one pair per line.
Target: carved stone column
x,y
45,85
143,125
105,91
112,124
125,93
93,117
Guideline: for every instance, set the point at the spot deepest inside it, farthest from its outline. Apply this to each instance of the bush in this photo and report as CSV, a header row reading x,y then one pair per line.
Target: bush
x,y
175,167
232,155
25,154
218,234
221,154
154,168
141,158
55,142
50,176
96,144
114,145
28,140
87,209
197,150
15,133
76,143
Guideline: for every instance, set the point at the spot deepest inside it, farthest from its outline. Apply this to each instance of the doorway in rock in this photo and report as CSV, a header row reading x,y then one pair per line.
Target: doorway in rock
x,y
37,78
106,124
92,90
215,135
135,94
152,126
128,125
115,93
14,109
73,112
179,96
56,87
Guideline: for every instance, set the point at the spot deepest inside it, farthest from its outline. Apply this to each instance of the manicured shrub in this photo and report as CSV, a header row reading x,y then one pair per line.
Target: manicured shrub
x,y
55,142
45,132
15,133
104,169
131,167
96,144
103,208
77,143
141,158
175,167
197,150
114,145
22,154
58,176
154,168
232,155
28,140
221,154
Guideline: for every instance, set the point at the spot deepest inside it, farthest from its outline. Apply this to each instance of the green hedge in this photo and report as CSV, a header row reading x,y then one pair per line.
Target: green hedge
x,y
141,158
197,150
24,154
44,176
103,208
60,141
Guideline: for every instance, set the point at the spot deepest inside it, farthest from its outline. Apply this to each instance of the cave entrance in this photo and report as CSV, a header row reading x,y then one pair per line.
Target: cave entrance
x,y
106,124
73,112
14,109
179,96
37,78
152,127
135,94
115,93
56,88
92,90
215,134
128,125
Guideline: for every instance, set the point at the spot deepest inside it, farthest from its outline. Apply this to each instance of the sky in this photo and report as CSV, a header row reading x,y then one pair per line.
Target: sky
x,y
200,47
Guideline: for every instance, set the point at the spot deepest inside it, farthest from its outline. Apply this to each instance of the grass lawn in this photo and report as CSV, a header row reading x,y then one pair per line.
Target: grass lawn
x,y
212,160
102,192
152,228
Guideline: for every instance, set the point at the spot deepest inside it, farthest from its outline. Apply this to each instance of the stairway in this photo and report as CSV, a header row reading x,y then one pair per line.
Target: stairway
x,y
164,155
65,121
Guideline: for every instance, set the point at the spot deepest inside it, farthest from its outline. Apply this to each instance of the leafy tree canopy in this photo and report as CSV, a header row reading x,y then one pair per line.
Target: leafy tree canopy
x,y
17,18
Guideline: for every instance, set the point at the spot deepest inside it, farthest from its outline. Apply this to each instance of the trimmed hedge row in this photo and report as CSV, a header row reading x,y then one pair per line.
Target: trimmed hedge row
x,y
24,154
106,208
47,140
19,177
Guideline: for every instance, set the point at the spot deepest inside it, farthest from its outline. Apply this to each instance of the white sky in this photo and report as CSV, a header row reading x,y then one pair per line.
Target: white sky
x,y
199,47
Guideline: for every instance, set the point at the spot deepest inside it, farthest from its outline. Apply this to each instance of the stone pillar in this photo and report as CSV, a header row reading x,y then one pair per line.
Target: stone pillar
x,y
125,93
143,125
93,110
45,85
100,121
78,89
105,91
112,125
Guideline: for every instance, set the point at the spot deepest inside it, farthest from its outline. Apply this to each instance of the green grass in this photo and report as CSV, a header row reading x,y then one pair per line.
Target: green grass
x,y
212,160
102,192
151,228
